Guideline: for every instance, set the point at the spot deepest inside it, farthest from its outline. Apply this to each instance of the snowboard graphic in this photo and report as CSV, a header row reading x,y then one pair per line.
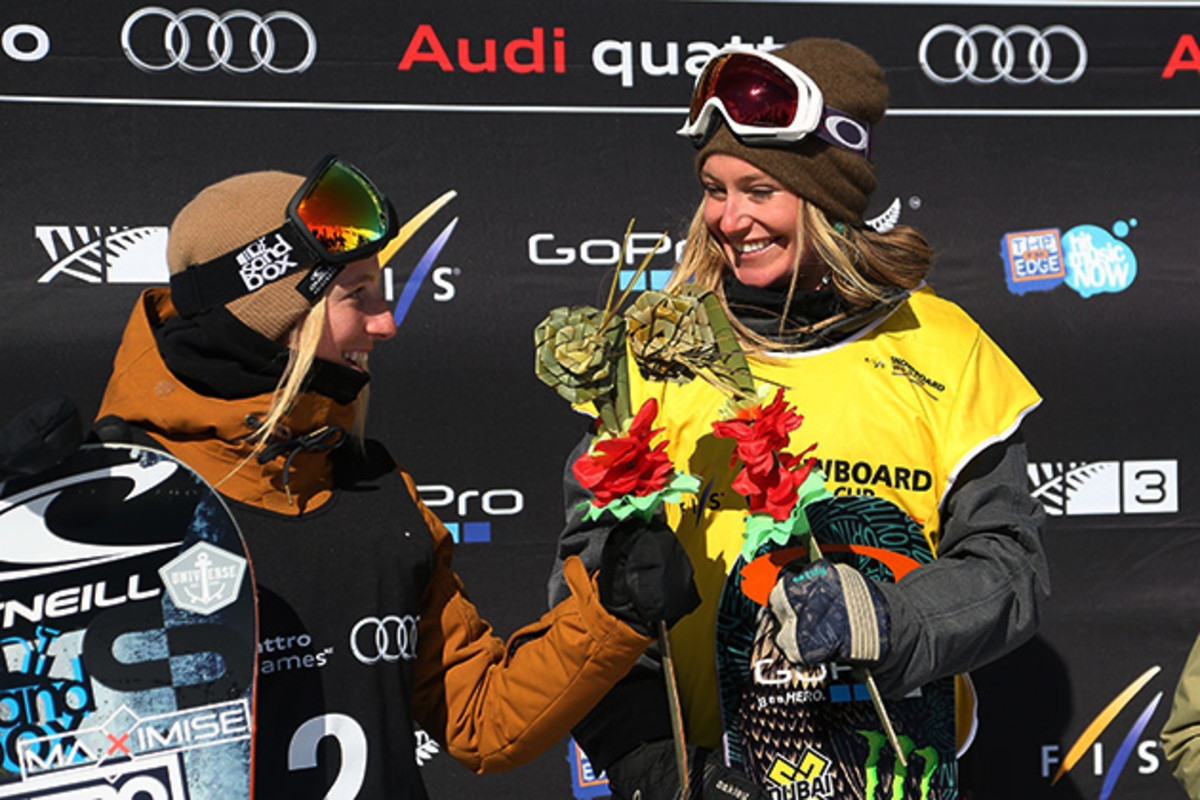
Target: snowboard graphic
x,y
127,633
813,732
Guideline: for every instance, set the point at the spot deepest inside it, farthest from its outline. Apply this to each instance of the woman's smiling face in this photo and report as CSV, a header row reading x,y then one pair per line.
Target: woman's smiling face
x,y
356,315
754,218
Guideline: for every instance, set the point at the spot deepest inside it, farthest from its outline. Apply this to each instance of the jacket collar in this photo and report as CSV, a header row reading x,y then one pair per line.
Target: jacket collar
x,y
210,434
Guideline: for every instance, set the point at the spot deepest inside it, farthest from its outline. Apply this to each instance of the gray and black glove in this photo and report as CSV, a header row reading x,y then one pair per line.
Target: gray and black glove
x,y
646,576
829,612
39,437
648,772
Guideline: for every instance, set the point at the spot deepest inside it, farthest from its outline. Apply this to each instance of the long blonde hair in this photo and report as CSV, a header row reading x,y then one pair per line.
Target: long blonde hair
x,y
303,341
863,265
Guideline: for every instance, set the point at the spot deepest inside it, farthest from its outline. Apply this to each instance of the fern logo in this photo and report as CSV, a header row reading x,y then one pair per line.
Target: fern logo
x,y
1080,488
104,254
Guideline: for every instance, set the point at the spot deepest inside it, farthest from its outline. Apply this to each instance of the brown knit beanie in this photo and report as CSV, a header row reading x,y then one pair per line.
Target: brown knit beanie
x,y
834,179
229,215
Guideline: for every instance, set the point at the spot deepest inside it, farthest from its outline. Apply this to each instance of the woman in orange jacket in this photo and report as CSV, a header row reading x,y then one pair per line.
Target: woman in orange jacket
x,y
252,369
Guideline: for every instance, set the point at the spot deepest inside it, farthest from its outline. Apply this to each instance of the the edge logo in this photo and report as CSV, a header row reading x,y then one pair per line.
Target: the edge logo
x,y
1087,258
472,503
1148,759
1078,488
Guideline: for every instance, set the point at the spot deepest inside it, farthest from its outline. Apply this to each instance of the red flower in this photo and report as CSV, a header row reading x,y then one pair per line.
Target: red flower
x,y
769,476
623,465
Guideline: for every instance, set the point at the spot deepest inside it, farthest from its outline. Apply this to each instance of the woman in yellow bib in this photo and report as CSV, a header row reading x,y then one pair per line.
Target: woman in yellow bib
x,y
906,399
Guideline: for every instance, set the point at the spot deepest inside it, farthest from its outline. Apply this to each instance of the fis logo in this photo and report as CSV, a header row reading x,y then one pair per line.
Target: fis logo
x,y
1106,487
425,266
469,505
1087,258
1132,742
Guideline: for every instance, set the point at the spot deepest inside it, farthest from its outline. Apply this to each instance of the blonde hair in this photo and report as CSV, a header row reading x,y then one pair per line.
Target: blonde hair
x,y
303,341
863,265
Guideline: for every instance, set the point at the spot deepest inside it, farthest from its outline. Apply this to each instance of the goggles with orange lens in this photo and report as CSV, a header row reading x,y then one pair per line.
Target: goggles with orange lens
x,y
765,100
337,216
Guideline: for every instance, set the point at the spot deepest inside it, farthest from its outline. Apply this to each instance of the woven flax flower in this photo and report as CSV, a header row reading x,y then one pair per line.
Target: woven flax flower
x,y
576,353
670,336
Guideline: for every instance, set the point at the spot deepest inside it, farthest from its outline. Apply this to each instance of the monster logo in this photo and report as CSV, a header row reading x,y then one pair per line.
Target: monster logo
x,y
877,742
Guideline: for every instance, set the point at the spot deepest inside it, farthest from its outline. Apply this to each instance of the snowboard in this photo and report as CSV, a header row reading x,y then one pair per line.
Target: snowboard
x,y
127,633
813,732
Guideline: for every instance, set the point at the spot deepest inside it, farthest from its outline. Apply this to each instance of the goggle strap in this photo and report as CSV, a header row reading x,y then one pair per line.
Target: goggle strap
x,y
822,131
251,267
317,281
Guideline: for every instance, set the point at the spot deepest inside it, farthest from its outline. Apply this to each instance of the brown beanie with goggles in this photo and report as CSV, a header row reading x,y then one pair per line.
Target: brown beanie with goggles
x,y
834,179
229,215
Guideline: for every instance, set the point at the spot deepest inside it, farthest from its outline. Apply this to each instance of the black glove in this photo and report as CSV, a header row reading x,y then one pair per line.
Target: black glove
x,y
648,772
646,576
39,437
829,612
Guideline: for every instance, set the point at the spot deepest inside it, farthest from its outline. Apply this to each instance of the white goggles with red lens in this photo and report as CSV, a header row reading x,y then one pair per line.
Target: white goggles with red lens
x,y
765,100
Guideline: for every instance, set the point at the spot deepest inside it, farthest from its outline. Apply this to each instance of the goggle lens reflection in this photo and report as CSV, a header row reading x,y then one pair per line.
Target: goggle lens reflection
x,y
753,91
343,210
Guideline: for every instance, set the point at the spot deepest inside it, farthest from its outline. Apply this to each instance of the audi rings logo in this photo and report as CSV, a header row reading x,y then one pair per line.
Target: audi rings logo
x,y
1011,59
261,49
388,639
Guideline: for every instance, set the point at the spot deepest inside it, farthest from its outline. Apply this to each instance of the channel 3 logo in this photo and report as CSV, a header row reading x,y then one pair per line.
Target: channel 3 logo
x,y
1106,487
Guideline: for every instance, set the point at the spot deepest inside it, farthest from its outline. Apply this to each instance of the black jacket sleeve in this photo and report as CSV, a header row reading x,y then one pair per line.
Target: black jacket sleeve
x,y
635,710
984,594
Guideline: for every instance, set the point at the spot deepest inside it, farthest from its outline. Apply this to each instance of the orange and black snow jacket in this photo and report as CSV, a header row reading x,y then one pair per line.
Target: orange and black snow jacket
x,y
365,630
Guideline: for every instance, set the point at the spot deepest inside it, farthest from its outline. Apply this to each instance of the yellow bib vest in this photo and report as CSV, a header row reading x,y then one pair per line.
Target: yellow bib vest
x,y
896,411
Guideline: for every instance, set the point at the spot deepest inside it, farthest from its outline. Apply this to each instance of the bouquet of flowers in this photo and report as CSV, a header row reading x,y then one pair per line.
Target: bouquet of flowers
x,y
777,484
581,354
627,474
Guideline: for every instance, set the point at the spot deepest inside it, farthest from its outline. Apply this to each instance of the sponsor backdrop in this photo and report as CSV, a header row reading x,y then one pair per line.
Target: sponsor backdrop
x,y
1046,149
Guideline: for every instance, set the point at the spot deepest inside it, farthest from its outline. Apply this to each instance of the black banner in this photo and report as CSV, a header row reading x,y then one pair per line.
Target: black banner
x,y
1047,150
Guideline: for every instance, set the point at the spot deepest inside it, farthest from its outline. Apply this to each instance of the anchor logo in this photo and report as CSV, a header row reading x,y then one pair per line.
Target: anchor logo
x,y
204,578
